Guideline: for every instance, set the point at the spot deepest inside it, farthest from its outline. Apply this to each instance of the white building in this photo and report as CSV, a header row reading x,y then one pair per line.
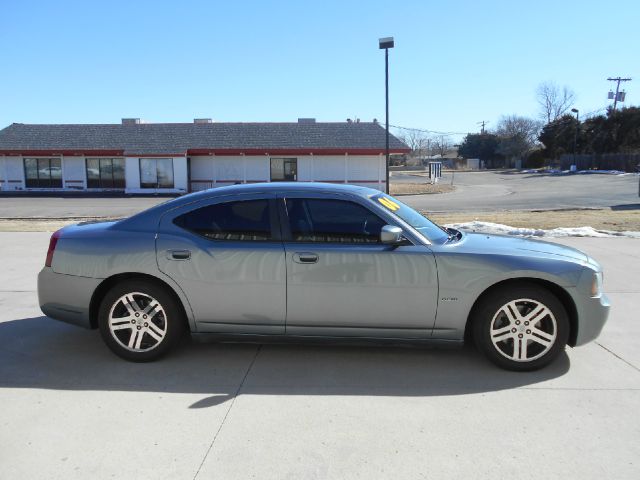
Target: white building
x,y
135,157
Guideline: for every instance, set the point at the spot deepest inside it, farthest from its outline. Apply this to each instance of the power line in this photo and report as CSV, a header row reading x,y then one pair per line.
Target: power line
x,y
593,112
435,132
483,123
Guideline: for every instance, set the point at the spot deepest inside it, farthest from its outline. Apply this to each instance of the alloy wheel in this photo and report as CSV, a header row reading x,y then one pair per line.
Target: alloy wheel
x,y
137,322
523,330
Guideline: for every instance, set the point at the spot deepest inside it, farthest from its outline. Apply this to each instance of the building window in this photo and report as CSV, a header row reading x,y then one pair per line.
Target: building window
x,y
247,220
105,173
284,169
156,173
43,172
332,221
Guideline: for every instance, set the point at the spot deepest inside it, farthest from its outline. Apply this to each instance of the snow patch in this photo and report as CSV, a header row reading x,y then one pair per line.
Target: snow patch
x,y
604,172
553,171
498,228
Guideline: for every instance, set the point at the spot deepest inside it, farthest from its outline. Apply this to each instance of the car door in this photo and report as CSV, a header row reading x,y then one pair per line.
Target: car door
x,y
342,281
227,256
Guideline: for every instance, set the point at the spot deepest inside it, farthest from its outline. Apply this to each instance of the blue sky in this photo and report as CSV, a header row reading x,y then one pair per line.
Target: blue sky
x,y
455,63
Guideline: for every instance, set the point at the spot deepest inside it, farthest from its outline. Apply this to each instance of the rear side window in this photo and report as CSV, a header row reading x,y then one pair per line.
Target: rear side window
x,y
247,220
332,221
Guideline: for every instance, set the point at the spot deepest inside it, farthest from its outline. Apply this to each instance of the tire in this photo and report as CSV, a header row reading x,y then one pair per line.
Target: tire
x,y
523,327
140,321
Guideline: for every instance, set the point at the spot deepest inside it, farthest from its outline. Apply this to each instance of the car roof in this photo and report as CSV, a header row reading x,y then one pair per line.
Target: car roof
x,y
293,186
281,187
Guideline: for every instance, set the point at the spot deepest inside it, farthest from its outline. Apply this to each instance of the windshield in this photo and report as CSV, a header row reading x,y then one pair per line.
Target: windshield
x,y
426,227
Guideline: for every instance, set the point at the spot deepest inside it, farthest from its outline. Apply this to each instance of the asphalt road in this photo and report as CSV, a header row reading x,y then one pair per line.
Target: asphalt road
x,y
69,409
475,191
62,207
493,190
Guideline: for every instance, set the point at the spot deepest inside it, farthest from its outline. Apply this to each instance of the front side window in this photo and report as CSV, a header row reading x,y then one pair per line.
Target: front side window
x,y
332,221
43,172
284,169
247,220
156,173
105,173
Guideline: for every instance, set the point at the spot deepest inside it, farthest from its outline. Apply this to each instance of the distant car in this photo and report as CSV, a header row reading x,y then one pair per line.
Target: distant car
x,y
312,260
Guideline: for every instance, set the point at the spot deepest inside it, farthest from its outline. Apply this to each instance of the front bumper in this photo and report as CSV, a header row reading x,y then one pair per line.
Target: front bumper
x,y
66,297
592,315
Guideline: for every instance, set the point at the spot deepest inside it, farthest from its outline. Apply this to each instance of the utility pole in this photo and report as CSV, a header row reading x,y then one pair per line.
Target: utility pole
x,y
483,123
617,80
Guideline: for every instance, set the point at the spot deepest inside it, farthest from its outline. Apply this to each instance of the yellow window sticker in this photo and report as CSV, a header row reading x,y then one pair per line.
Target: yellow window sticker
x,y
390,204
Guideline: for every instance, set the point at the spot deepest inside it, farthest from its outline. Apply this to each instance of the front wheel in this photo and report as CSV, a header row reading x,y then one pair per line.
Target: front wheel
x,y
140,321
521,327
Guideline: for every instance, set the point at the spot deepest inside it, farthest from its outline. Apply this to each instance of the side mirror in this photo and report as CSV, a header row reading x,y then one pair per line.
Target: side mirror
x,y
391,235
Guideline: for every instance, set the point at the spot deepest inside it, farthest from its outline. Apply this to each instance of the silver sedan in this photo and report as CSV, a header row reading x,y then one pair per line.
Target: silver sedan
x,y
306,261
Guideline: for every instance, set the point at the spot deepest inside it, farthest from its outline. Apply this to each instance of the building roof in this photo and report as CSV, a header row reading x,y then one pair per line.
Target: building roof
x,y
197,138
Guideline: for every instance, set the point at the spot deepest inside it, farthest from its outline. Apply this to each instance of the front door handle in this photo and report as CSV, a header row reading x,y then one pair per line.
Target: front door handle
x,y
305,257
178,254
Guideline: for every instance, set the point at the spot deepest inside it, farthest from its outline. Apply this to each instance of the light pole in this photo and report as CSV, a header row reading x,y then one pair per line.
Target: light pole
x,y
575,136
386,43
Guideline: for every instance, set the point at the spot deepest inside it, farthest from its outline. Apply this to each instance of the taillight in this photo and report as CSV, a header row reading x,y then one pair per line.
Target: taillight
x,y
52,247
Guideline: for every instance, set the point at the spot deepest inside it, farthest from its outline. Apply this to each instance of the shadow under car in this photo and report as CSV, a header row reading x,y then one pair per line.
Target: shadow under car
x,y
41,353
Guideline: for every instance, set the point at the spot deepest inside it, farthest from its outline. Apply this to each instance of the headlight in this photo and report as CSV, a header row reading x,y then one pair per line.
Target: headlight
x,y
596,284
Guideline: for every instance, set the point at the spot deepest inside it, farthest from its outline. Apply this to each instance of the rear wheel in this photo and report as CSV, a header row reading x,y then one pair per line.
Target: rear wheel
x,y
521,328
140,321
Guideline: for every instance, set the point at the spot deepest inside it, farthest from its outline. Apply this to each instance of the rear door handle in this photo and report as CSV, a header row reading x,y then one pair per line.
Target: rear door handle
x,y
178,254
305,257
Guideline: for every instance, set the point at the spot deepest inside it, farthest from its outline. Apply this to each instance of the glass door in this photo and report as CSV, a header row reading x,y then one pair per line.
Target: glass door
x,y
156,173
284,169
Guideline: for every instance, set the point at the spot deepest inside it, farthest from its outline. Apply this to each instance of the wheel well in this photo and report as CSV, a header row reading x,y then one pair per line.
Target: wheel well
x,y
558,291
108,283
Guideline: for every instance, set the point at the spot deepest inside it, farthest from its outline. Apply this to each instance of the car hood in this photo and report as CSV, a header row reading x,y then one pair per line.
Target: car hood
x,y
483,243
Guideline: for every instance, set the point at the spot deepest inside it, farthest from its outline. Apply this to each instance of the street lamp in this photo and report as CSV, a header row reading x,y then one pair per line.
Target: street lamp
x,y
575,137
386,43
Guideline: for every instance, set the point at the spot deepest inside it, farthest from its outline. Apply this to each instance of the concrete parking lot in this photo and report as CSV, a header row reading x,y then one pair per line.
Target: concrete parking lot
x,y
70,409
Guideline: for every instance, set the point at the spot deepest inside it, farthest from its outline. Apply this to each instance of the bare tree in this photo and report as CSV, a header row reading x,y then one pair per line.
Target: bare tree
x,y
417,141
441,145
554,101
518,135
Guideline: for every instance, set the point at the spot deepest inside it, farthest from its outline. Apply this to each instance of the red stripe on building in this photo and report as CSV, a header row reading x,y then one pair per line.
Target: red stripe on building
x,y
272,152
154,155
57,153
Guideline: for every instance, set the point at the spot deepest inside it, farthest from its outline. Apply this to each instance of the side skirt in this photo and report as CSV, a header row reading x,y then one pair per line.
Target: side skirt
x,y
323,340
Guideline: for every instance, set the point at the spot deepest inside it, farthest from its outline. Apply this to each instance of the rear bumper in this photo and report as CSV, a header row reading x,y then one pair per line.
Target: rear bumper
x,y
592,315
66,297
